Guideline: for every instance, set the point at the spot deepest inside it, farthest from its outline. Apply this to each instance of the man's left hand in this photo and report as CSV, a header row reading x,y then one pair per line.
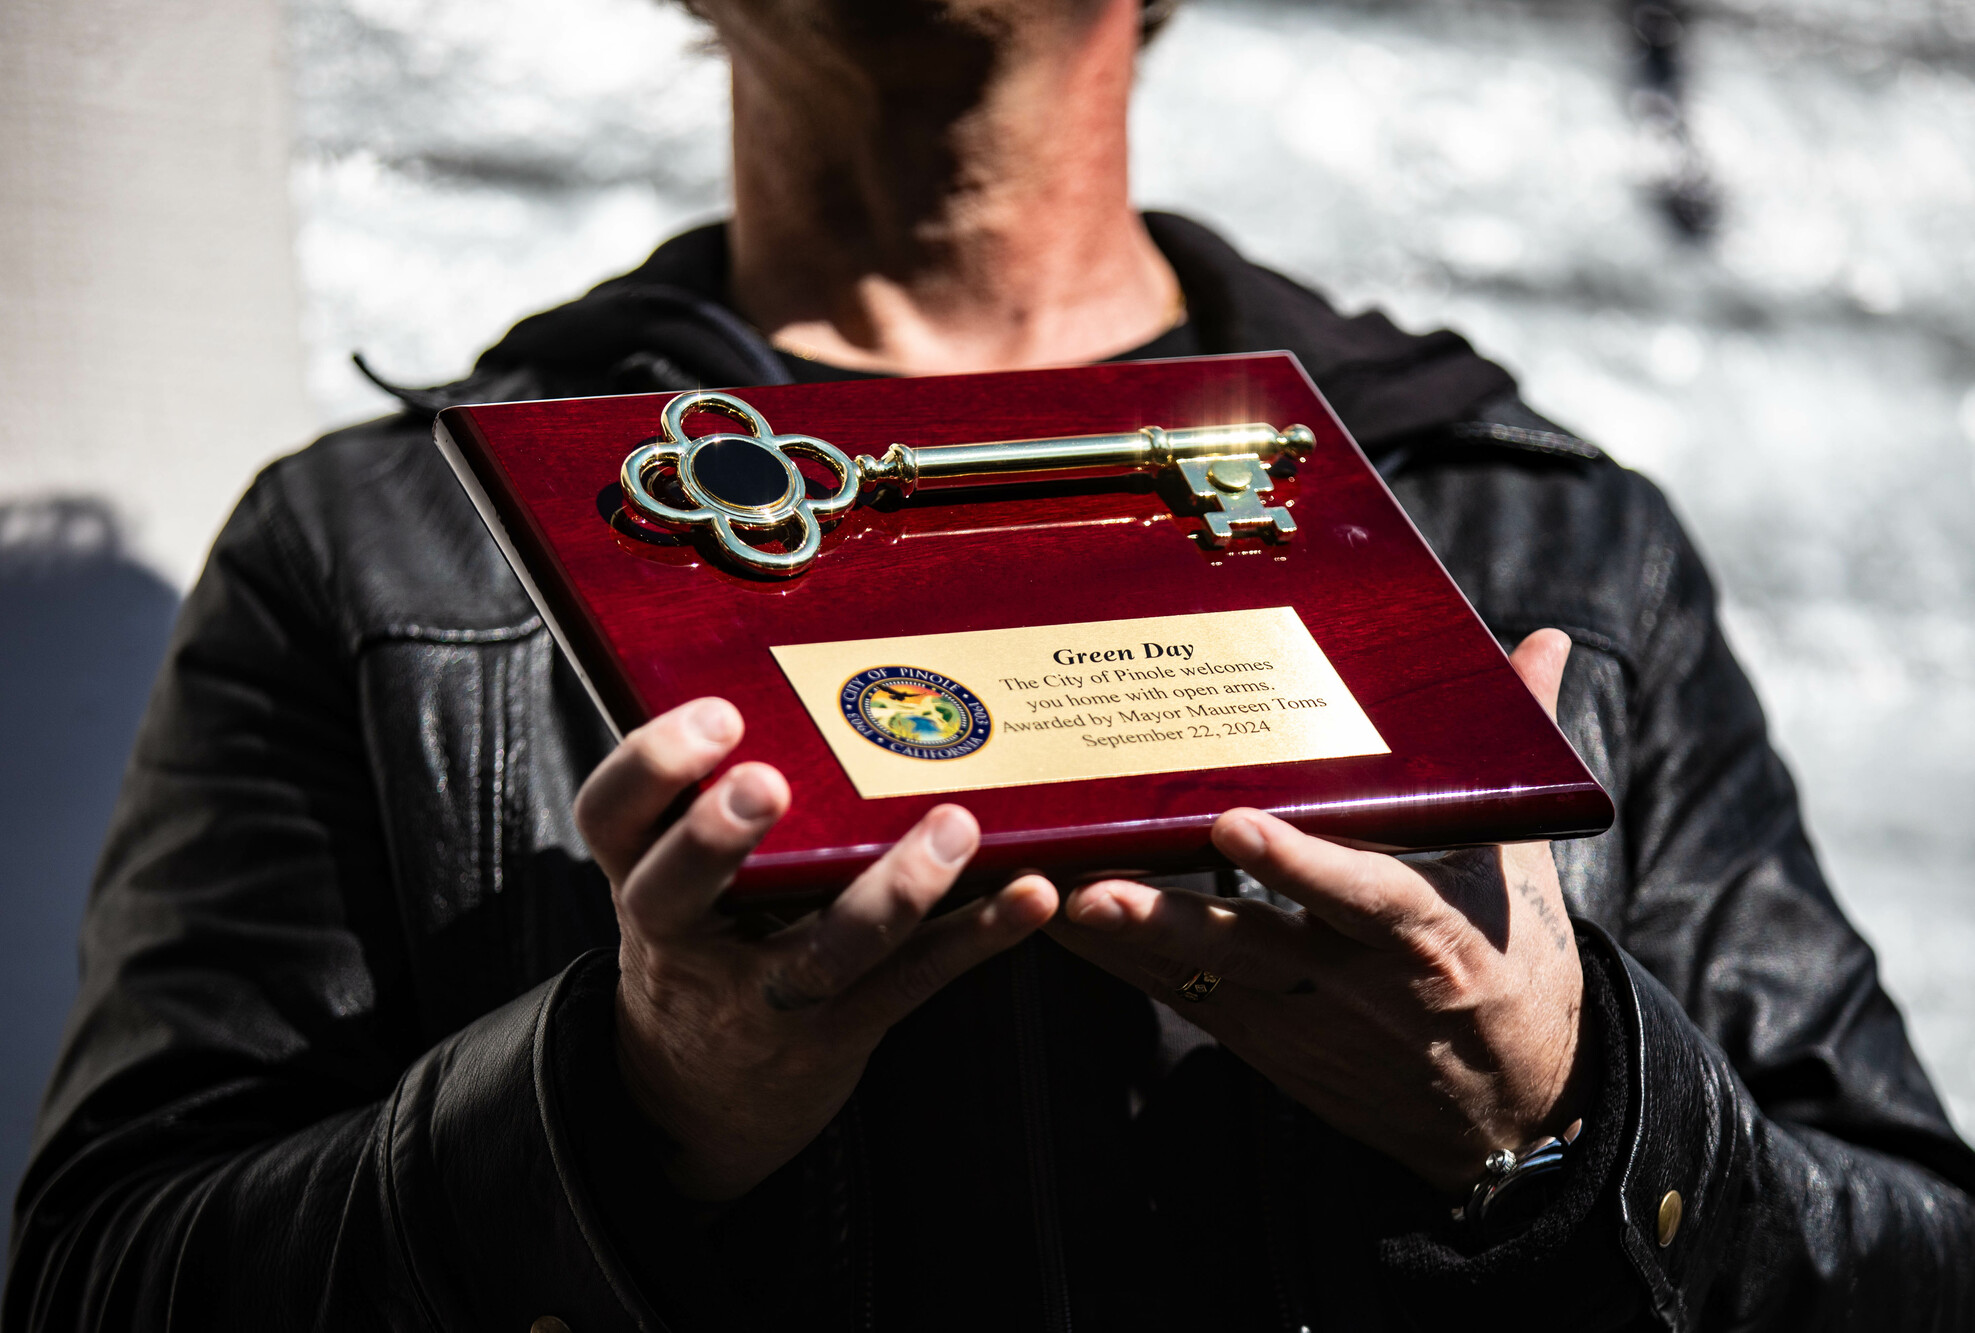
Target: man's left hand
x,y
1429,1009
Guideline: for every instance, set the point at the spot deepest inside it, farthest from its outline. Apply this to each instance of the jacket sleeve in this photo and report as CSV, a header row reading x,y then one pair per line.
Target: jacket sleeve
x,y
1764,1151
1821,1185
245,1127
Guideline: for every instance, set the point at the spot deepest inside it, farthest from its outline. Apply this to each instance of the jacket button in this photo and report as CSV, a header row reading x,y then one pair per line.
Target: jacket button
x,y
548,1323
1669,1224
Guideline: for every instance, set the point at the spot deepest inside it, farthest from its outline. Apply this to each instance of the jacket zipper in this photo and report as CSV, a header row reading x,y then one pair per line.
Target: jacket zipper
x,y
1033,1078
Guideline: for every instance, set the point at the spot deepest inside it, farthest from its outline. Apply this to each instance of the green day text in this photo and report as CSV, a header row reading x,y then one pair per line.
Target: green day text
x,y
1144,652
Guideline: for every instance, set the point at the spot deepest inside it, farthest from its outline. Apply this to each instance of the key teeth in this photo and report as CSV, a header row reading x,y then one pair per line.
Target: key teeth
x,y
1237,512
1273,524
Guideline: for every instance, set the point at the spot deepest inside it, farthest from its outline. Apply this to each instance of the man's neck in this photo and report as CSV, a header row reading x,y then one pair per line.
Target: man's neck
x,y
945,197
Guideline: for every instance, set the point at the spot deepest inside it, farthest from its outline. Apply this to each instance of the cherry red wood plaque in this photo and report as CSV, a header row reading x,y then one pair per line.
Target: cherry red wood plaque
x,y
652,620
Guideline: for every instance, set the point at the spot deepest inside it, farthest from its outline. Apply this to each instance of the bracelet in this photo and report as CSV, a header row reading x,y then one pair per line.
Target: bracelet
x,y
1508,1176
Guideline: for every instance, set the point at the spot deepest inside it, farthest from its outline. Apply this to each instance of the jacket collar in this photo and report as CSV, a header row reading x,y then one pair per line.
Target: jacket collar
x,y
1386,384
667,325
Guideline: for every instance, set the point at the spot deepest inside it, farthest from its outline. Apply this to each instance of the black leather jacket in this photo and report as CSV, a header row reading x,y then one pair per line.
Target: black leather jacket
x,y
341,1057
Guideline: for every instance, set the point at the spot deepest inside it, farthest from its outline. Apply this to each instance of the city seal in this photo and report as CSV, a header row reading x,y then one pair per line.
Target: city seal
x,y
916,713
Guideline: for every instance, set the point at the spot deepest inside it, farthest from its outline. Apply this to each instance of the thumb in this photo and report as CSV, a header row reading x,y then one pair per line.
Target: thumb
x,y
1539,660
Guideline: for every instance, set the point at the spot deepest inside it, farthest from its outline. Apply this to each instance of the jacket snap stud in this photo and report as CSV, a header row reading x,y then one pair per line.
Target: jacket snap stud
x,y
548,1323
1669,1219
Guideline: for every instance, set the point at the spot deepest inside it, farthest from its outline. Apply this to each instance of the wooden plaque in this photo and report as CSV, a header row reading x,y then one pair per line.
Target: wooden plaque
x,y
1456,751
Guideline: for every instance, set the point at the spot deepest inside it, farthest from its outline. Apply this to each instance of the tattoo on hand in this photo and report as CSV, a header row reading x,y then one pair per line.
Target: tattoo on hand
x,y
1559,928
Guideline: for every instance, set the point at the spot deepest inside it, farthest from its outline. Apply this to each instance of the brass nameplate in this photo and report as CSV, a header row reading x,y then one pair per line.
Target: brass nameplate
x,y
929,713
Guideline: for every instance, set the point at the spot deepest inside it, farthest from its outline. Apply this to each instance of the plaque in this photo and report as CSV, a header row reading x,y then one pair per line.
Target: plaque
x,y
1096,605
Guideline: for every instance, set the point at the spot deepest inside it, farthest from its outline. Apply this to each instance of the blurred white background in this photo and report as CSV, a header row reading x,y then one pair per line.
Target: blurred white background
x,y
1800,376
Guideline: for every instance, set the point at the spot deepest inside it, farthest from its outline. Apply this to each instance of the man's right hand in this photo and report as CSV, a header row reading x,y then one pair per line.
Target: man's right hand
x,y
741,1050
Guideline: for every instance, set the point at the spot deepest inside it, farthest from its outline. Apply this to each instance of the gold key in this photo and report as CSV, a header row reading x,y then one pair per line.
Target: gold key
x,y
747,481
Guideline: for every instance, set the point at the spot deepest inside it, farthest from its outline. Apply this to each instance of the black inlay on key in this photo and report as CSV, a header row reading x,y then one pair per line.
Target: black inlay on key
x,y
740,472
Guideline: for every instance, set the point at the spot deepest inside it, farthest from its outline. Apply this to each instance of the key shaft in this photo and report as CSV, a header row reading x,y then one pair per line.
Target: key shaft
x,y
906,469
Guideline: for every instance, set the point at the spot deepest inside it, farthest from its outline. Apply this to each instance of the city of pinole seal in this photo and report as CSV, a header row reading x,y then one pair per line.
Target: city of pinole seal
x,y
914,712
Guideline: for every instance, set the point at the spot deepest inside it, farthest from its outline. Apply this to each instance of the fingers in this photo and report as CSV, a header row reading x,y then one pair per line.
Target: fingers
x,y
620,806
1224,1016
946,947
676,882
1539,660
1364,896
826,955
1174,933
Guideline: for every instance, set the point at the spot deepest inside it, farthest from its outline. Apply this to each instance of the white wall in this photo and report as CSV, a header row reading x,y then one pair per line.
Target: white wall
x,y
149,337
150,360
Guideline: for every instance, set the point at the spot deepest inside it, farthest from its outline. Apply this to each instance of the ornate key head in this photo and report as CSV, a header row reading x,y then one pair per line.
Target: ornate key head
x,y
739,482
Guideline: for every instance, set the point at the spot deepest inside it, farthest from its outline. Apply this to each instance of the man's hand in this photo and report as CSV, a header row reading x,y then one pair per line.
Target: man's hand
x,y
1428,1009
741,1049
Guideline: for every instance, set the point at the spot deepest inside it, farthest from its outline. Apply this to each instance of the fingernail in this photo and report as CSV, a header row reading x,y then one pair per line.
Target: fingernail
x,y
750,796
1242,840
1025,910
716,721
951,838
